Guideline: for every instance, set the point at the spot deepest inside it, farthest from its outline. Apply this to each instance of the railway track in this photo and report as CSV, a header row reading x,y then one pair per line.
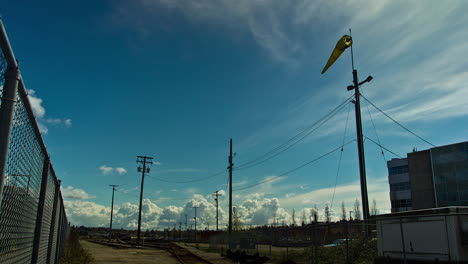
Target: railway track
x,y
183,255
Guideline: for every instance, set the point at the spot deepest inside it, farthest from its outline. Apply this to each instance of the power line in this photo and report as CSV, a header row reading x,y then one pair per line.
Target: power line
x,y
124,193
297,168
327,118
375,131
378,144
339,161
188,181
396,122
339,107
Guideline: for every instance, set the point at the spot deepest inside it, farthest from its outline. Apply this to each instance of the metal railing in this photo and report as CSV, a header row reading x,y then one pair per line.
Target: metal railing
x,y
33,223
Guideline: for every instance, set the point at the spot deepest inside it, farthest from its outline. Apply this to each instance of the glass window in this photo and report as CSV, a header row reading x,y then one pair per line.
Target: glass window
x,y
450,174
401,186
398,170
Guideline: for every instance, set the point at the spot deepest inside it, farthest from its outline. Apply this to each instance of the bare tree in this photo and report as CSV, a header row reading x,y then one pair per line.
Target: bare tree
x,y
316,212
303,217
343,211
374,210
312,213
293,217
327,213
357,210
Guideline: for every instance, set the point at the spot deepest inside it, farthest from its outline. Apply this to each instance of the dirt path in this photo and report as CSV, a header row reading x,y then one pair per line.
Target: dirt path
x,y
107,255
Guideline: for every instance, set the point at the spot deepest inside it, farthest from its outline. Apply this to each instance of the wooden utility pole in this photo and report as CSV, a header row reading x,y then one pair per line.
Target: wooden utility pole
x,y
360,140
231,165
143,169
216,195
195,218
112,209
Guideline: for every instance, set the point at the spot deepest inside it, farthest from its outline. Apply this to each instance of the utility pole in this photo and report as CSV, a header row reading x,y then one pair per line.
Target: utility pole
x,y
216,195
342,44
144,161
195,218
230,188
180,231
112,209
185,221
360,141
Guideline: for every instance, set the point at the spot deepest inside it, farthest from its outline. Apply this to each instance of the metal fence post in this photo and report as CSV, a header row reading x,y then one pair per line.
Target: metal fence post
x,y
347,242
7,108
59,231
315,240
52,223
403,240
40,211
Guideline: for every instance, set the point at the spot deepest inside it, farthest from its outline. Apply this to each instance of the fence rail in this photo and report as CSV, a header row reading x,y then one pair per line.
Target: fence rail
x,y
33,223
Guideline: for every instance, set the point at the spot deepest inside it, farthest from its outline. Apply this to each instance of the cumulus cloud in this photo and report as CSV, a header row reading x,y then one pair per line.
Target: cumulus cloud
x,y
73,193
87,213
253,210
127,215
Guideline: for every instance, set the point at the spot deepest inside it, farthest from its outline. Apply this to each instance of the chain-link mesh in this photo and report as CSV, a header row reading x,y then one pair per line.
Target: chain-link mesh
x,y
21,201
47,218
53,245
21,190
3,66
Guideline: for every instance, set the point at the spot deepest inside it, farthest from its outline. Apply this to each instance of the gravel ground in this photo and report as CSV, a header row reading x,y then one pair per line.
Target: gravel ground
x,y
107,255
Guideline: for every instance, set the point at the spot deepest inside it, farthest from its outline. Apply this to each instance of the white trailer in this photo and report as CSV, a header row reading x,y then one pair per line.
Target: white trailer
x,y
429,235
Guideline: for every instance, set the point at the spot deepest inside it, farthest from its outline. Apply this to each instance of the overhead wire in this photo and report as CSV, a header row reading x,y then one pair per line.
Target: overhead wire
x,y
375,132
187,181
316,125
396,122
124,193
297,168
378,144
341,156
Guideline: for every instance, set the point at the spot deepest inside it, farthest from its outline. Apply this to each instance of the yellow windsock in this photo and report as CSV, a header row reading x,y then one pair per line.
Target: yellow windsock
x,y
342,44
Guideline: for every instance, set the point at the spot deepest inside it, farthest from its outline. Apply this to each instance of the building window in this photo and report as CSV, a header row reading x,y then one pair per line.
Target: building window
x,y
402,203
401,186
398,170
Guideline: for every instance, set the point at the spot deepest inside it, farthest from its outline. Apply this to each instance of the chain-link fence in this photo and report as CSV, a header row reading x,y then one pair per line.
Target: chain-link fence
x,y
33,223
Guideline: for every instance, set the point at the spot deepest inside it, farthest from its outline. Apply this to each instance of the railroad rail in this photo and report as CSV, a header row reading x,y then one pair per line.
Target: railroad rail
x,y
183,255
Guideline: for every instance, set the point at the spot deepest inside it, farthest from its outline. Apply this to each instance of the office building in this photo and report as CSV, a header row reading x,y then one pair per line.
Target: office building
x,y
437,177
400,191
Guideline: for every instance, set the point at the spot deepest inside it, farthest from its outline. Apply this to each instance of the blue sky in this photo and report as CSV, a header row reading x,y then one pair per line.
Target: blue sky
x,y
176,80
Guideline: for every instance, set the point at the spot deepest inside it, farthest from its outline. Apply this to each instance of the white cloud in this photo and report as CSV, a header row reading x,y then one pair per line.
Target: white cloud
x,y
87,213
68,122
127,215
120,171
106,170
36,104
254,209
73,193
53,120
411,83
40,112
